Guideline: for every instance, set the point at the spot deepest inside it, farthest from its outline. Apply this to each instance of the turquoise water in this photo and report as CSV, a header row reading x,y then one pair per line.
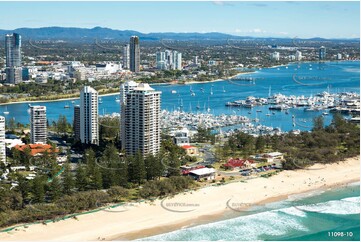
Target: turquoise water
x,y
316,77
305,217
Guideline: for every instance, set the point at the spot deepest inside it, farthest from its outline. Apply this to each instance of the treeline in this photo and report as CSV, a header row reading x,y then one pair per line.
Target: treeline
x,y
102,177
337,141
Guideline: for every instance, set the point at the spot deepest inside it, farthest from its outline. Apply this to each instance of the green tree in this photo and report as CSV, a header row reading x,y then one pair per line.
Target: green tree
x,y
136,166
81,178
260,143
38,189
318,123
55,189
94,175
68,179
62,125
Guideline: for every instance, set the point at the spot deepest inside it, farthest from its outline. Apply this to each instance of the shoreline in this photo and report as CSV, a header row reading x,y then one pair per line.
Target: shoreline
x,y
144,219
171,84
116,93
221,216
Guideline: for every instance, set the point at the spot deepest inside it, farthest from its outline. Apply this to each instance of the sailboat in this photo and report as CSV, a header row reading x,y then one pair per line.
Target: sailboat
x,y
6,112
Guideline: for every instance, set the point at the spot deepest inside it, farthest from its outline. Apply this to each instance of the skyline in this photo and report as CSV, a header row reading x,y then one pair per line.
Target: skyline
x,y
256,19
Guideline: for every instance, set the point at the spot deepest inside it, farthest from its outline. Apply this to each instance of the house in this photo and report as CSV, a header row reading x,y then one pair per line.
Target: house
x,y
37,149
191,150
269,157
233,163
203,173
181,137
273,156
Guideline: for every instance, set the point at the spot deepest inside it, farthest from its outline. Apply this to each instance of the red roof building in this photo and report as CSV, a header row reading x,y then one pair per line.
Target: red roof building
x,y
232,163
37,149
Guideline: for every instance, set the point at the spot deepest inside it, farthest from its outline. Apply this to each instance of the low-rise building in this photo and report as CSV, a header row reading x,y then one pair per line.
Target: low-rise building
x,y
191,150
204,173
36,149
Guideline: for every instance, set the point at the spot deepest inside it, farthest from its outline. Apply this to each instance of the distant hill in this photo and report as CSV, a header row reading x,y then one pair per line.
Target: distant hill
x,y
78,34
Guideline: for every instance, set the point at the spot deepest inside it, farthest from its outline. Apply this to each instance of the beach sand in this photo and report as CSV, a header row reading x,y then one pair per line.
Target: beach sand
x,y
206,204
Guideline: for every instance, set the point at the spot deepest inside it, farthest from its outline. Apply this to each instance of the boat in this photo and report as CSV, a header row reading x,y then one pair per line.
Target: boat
x,y
6,112
72,101
260,111
66,106
174,91
268,114
193,94
198,106
224,90
211,91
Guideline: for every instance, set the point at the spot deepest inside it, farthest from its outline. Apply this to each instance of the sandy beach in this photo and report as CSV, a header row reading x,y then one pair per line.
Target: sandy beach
x,y
187,208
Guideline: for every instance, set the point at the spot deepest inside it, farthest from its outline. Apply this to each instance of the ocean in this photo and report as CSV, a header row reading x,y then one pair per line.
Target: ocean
x,y
294,79
332,214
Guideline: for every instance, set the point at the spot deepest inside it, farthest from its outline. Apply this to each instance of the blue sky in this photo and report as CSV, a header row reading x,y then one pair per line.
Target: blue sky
x,y
276,19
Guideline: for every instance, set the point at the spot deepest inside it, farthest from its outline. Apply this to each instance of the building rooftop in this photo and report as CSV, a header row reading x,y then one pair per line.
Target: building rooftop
x,y
203,171
187,147
143,87
36,149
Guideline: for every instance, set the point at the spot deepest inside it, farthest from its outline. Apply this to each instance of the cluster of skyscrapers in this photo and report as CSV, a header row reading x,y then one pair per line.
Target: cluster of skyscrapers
x,y
140,118
169,60
131,55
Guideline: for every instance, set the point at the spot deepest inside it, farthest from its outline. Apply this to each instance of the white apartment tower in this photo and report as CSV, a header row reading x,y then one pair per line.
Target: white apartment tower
x,y
141,119
126,57
169,60
2,141
298,55
38,129
89,129
125,88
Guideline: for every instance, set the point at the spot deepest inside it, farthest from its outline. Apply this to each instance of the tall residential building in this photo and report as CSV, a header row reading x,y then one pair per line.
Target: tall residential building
x,y
141,130
38,129
177,60
125,88
322,53
126,56
2,141
169,60
134,51
275,56
89,129
298,55
13,58
160,60
76,122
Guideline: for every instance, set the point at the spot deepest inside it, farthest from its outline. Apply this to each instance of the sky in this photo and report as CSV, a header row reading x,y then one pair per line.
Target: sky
x,y
337,19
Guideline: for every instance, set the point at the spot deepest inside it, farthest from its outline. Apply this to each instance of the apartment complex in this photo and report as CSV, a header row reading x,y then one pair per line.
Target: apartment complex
x,y
141,121
2,141
38,127
13,58
89,129
134,54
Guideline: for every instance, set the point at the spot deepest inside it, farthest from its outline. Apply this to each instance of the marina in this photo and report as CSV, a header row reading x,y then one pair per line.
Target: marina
x,y
337,78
